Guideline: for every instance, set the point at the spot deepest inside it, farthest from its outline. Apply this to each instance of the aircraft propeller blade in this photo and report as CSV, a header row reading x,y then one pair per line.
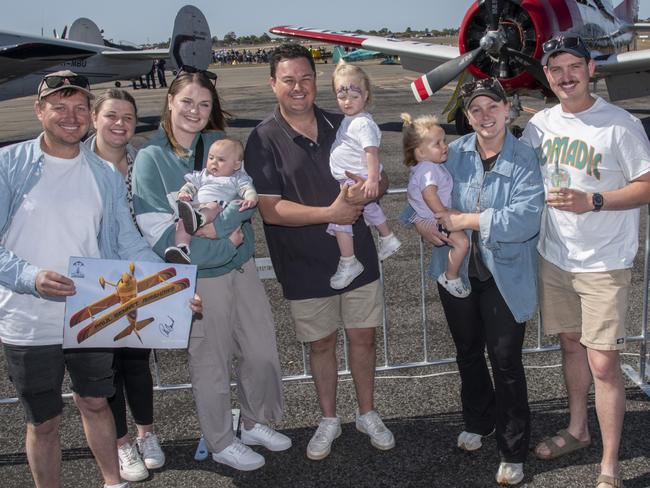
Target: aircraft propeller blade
x,y
493,12
532,65
429,83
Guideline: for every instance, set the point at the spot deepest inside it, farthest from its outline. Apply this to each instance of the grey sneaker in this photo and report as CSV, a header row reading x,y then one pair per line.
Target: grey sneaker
x,y
149,447
345,274
320,445
380,437
131,466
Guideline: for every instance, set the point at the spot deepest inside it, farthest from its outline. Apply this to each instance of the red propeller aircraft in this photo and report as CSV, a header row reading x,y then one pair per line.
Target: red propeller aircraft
x,y
126,293
504,38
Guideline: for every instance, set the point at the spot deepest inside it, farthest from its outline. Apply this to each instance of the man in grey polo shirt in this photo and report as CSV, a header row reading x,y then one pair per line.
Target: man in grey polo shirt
x,y
287,156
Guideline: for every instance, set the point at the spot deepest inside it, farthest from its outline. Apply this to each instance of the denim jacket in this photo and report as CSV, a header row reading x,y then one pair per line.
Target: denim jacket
x,y
21,166
510,199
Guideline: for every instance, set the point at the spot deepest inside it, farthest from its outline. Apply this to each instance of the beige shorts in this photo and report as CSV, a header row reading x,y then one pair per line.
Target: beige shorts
x,y
591,304
316,318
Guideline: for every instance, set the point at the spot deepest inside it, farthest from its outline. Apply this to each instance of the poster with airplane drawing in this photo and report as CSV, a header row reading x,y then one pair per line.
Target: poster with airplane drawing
x,y
128,304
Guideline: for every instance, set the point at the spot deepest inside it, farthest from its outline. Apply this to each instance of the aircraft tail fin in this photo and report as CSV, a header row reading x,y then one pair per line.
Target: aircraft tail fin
x,y
628,10
191,43
337,54
85,30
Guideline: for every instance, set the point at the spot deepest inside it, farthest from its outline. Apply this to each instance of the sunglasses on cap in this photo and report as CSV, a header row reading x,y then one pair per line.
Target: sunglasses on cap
x,y
57,81
489,84
566,42
191,69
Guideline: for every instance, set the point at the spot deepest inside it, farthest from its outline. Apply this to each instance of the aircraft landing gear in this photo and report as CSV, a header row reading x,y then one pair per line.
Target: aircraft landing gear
x,y
118,84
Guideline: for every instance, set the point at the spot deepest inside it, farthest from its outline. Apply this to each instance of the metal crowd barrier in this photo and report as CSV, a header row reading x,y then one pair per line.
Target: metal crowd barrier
x,y
266,272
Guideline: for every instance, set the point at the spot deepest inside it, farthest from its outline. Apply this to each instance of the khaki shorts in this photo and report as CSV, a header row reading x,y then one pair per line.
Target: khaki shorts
x,y
317,318
591,304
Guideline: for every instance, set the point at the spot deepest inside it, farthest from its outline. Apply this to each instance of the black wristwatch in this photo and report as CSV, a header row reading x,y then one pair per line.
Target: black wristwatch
x,y
598,201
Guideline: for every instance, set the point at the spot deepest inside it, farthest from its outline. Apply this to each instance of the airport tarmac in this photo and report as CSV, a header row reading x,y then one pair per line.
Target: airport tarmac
x,y
420,405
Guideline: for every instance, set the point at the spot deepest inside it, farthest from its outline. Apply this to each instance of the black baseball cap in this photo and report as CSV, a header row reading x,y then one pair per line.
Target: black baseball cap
x,y
488,87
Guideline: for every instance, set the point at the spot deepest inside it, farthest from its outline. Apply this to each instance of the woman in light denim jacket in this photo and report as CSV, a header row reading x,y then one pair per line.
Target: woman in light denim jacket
x,y
497,199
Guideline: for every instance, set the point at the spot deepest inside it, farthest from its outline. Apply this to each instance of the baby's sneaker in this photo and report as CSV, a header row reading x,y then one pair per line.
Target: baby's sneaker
x,y
192,219
388,246
178,254
455,287
348,269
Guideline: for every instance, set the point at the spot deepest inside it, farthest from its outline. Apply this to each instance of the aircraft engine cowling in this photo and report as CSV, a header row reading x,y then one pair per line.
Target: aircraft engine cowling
x,y
523,25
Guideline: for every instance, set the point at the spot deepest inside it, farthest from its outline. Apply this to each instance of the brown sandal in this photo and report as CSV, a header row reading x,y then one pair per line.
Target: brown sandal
x,y
571,444
609,480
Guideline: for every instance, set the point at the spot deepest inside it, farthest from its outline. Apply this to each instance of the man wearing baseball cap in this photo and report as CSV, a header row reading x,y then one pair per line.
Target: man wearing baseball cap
x,y
588,240
58,199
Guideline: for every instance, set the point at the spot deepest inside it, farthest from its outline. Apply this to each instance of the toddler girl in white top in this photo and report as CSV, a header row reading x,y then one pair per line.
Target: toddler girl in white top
x,y
356,150
429,189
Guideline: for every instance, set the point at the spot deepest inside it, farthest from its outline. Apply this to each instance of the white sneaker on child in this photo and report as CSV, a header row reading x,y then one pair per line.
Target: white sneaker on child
x,y
454,287
348,269
388,246
192,219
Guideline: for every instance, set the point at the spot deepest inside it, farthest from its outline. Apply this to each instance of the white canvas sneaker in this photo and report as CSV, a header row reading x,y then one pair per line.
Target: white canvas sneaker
x,y
150,450
131,466
263,435
346,272
239,456
380,437
320,445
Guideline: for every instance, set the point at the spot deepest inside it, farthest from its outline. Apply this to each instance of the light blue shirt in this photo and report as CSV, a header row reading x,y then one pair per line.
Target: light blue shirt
x,y
510,200
21,166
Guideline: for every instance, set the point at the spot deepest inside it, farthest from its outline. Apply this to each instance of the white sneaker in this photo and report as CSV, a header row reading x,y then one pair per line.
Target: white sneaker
x,y
510,473
152,455
320,445
239,456
455,287
119,485
468,441
131,466
370,423
388,246
263,435
346,272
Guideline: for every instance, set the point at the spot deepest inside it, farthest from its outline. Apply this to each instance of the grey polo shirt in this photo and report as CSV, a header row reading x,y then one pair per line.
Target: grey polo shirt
x,y
284,163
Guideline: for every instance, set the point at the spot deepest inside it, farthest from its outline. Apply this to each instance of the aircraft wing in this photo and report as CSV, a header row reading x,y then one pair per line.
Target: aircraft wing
x,y
627,74
620,63
135,55
22,59
414,55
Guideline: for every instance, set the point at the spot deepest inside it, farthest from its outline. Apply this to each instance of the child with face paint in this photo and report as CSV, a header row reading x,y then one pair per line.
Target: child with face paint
x,y
356,150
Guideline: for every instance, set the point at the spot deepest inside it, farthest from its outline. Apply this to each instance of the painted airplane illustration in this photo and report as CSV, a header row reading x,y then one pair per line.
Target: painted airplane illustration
x,y
127,294
505,38
25,58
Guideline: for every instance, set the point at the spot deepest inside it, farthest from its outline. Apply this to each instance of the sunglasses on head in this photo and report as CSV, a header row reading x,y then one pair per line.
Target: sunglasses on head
x,y
57,81
191,69
483,84
568,42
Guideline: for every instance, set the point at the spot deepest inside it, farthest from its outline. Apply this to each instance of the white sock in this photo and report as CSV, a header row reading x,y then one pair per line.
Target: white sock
x,y
348,260
382,238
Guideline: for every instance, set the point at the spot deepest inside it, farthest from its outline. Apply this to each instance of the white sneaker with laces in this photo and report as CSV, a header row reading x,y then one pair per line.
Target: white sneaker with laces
x,y
380,437
510,473
320,445
347,271
263,435
131,466
119,485
388,246
152,454
455,287
239,456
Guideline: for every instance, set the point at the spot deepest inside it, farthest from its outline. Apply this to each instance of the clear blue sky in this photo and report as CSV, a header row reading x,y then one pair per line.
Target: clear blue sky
x,y
151,21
